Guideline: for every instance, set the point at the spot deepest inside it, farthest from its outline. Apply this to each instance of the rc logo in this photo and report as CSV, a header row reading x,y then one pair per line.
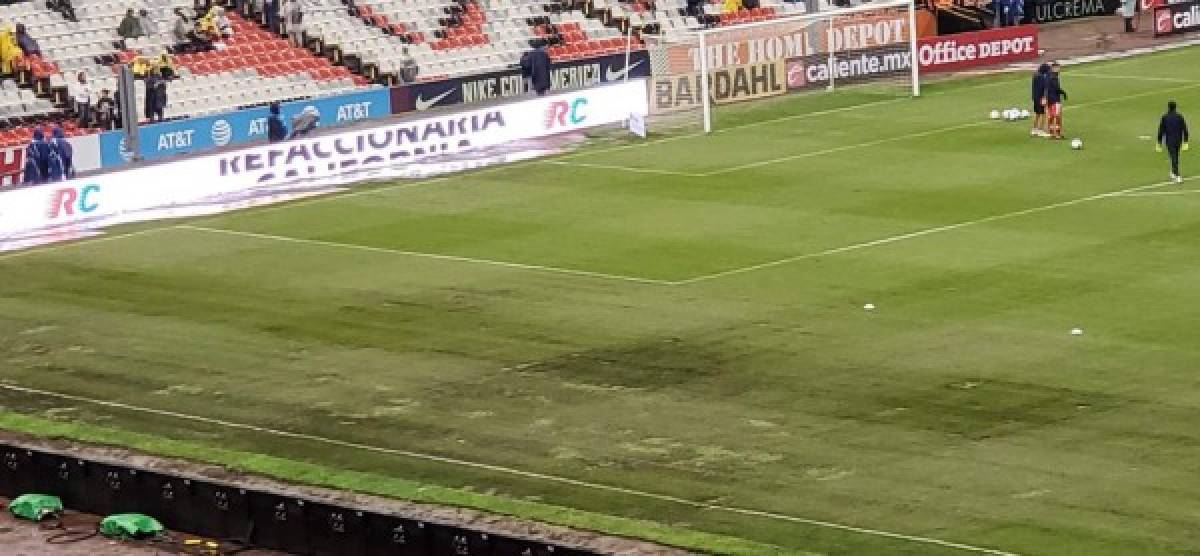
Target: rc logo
x,y
560,112
123,148
222,133
68,200
1162,22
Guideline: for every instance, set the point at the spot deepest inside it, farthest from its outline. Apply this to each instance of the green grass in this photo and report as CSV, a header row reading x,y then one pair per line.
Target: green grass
x,y
961,409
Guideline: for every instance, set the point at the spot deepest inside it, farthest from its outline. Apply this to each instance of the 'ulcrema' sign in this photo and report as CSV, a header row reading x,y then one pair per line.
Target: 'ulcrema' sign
x,y
1045,11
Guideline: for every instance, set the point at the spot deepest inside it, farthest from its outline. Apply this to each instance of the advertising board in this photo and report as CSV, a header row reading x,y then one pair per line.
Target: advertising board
x,y
979,48
509,83
847,67
222,181
1048,11
199,134
1175,18
726,85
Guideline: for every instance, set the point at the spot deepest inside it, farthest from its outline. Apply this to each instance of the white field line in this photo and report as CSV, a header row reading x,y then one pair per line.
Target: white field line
x,y
1132,77
435,256
922,233
503,470
928,132
65,244
769,121
1159,193
623,168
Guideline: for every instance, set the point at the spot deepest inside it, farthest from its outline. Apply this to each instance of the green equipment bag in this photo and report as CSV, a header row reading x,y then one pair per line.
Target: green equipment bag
x,y
35,507
130,526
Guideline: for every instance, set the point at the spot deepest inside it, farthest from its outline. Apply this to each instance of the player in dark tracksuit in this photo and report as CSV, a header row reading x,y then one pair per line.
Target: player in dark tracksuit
x,y
1039,92
1173,134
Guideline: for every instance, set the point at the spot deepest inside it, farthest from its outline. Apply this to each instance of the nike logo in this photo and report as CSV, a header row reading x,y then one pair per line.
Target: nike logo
x,y
610,75
423,104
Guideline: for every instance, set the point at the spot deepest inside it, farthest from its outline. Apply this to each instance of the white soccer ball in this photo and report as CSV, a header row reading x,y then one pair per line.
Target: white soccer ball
x,y
995,114
1024,114
1076,143
1077,332
869,307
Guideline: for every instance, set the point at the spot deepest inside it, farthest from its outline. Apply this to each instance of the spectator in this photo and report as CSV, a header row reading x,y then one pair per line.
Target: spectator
x,y
695,8
10,52
83,100
1128,11
63,7
222,24
305,123
181,30
295,22
28,46
59,165
106,111
535,68
276,129
37,158
130,27
149,27
271,15
732,6
156,95
165,65
408,67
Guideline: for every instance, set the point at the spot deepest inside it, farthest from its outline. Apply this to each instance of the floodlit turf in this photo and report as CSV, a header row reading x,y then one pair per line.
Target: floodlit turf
x,y
697,333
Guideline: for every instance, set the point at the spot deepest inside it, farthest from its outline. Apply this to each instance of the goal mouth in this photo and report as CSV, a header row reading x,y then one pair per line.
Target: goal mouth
x,y
697,73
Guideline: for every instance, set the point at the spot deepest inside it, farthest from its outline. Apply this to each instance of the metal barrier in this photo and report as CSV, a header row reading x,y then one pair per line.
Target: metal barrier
x,y
259,518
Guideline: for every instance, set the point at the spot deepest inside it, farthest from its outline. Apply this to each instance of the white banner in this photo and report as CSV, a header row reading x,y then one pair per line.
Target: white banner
x,y
275,172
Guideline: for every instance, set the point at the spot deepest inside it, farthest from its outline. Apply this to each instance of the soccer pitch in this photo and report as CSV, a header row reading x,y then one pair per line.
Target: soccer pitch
x,y
668,339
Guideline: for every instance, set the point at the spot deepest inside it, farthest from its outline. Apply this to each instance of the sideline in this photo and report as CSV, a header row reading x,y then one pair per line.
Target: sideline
x,y
506,470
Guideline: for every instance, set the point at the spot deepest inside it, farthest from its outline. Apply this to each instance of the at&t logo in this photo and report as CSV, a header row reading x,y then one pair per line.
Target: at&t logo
x,y
123,149
222,133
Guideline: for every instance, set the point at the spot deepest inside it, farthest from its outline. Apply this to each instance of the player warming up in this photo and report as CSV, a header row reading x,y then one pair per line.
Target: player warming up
x,y
1055,95
1039,106
1173,134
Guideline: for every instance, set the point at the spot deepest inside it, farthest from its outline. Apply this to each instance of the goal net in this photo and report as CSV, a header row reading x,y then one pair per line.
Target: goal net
x,y
696,74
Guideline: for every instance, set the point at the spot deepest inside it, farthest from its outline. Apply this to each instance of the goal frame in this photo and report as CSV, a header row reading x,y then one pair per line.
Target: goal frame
x,y
828,16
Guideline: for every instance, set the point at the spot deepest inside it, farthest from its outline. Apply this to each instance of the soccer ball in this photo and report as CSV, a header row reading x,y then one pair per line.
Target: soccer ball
x,y
1010,114
1024,114
1076,144
995,115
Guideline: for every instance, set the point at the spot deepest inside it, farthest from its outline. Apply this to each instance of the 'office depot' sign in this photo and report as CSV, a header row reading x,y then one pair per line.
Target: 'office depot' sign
x,y
978,49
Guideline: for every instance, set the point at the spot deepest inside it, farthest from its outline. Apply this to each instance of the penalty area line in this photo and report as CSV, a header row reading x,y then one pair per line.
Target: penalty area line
x,y
623,168
435,256
929,231
929,132
505,470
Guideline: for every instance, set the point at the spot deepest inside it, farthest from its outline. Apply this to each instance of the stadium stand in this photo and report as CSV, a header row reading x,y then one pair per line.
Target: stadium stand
x,y
349,45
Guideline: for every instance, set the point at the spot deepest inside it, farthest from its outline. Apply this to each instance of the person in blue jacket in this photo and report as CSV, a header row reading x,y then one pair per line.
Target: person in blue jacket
x,y
61,165
37,158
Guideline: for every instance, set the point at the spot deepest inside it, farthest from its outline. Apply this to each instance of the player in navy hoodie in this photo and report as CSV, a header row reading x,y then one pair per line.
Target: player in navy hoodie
x,y
1039,109
37,158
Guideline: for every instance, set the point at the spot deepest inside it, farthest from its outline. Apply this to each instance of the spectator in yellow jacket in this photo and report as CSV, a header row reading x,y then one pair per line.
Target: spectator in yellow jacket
x,y
732,6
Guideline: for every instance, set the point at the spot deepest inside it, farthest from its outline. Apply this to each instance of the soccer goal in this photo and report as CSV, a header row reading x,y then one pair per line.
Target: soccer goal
x,y
696,72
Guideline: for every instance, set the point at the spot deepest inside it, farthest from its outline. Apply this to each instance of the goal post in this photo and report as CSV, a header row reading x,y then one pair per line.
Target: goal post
x,y
696,73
